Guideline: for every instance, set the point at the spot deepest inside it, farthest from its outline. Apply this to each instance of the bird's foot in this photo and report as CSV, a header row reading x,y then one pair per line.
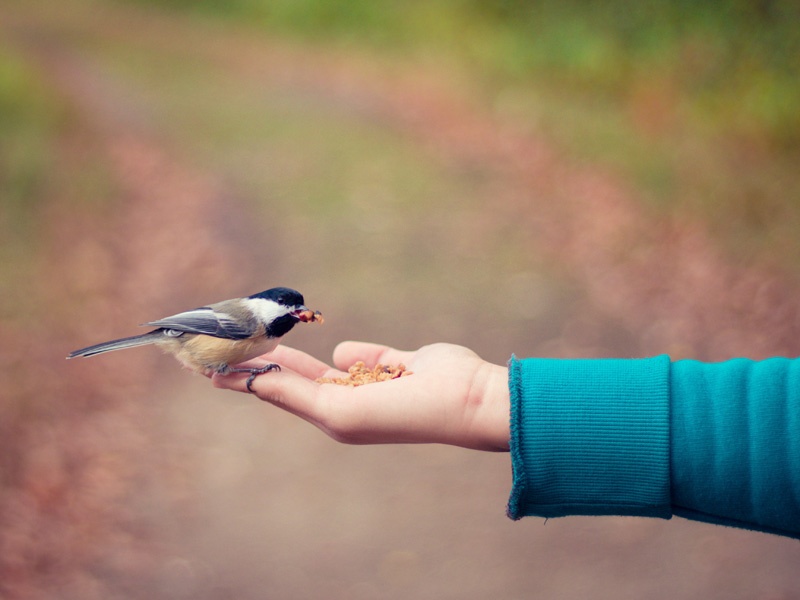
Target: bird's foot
x,y
255,373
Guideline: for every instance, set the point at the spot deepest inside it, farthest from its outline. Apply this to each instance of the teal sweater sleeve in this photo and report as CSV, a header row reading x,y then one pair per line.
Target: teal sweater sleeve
x,y
716,442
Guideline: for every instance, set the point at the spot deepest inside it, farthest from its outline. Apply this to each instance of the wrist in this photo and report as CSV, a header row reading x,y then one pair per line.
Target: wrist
x,y
494,410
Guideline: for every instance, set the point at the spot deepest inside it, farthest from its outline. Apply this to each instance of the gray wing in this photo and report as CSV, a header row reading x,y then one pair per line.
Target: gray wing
x,y
208,321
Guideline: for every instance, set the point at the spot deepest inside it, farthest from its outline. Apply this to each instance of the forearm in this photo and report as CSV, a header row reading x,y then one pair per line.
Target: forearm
x,y
719,443
736,443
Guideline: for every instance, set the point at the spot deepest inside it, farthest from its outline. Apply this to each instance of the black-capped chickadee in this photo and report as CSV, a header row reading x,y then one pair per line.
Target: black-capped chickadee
x,y
211,338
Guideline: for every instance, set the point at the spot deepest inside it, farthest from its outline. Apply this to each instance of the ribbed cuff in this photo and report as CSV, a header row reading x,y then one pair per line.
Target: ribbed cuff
x,y
590,437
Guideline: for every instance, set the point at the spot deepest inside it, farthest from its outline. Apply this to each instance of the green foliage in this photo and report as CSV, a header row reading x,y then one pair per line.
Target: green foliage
x,y
27,118
28,121
734,64
695,103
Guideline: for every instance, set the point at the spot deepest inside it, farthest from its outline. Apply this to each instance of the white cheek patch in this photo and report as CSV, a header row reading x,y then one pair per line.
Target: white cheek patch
x,y
266,310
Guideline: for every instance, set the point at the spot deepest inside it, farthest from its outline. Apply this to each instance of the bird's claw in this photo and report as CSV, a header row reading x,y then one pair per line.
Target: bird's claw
x,y
255,373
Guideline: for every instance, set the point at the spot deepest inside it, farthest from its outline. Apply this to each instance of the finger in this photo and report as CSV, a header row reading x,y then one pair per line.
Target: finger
x,y
274,386
353,415
389,412
284,389
348,353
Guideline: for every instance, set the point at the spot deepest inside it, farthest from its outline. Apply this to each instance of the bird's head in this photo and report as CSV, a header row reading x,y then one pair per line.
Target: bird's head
x,y
280,308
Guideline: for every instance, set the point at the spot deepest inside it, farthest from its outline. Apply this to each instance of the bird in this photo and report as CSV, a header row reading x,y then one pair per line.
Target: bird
x,y
210,339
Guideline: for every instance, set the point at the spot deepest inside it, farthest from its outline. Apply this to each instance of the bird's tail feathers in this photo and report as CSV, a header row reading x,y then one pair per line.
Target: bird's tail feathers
x,y
120,344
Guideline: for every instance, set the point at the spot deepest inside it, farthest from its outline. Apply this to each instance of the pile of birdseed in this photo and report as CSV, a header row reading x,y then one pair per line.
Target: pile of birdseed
x,y
360,374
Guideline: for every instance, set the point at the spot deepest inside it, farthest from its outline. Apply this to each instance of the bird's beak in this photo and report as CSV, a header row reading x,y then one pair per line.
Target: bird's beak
x,y
306,315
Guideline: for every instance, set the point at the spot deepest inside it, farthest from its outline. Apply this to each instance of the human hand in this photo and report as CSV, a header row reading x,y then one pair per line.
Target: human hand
x,y
453,396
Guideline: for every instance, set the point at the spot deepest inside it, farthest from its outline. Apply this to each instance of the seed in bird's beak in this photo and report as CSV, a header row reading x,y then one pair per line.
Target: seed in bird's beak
x,y
306,315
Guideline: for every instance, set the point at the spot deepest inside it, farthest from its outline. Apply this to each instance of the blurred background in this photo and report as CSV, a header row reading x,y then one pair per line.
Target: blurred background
x,y
569,179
